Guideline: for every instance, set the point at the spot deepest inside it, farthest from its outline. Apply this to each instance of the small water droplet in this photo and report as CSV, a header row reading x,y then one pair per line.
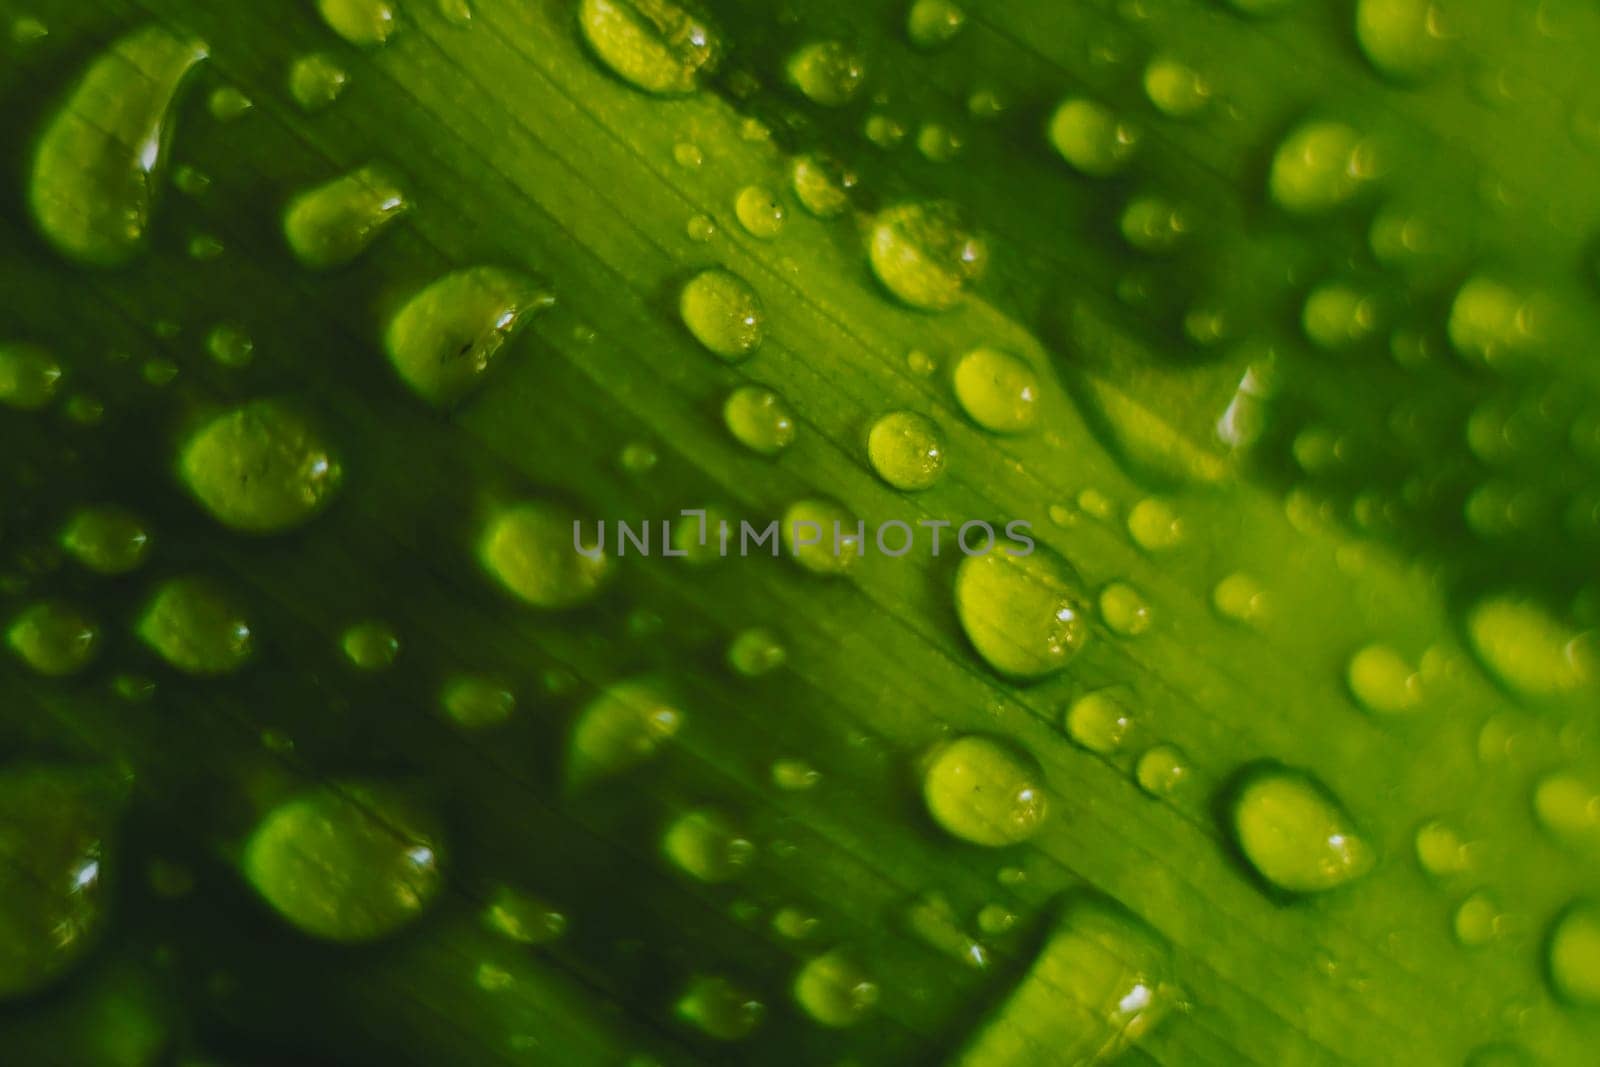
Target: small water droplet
x,y
822,185
931,23
363,23
260,468
1404,39
1162,770
755,652
371,645
907,450
654,45
718,1008
925,253
230,345
705,845
1155,526
700,228
760,213
1124,610
1320,166
1477,920
446,338
1023,614
106,539
54,638
523,917
1527,649
316,81
476,703
1294,832
938,143
196,627
29,375
1573,955
997,390
984,791
723,313
1239,598
821,536
1440,849
834,990
456,12
531,549
1092,138
333,223
1383,682
829,73
1099,721
1175,88
794,775
619,729
759,419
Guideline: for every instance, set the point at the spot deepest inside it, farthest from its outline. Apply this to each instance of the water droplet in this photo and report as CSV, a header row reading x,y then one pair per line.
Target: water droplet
x,y
1155,526
654,45
158,372
1239,598
448,336
793,775
532,550
333,223
985,104
1023,614
821,536
759,419
997,390
230,345
907,450
834,990
931,23
1153,224
705,845
1526,649
523,918
1124,610
996,919
984,791
1099,721
618,730
1491,323
829,73
1477,920
1402,38
1101,983
1383,682
363,23
794,924
925,253
456,12
371,645
1337,316
1440,850
1569,808
346,861
723,313
196,627
1162,770
260,468
938,143
106,539
100,159
1175,88
718,1008
1294,832
228,104
760,213
27,29
1092,138
700,228
476,703
189,181
1573,955
316,81
638,458
55,825
931,919
54,638
755,652
29,376
1320,166
822,186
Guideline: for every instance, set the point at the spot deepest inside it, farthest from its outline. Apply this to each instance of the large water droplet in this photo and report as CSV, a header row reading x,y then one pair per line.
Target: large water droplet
x,y
1023,614
1573,955
100,160
448,336
1294,832
931,23
1102,981
620,729
196,627
260,468
346,861
984,791
829,73
531,549
333,223
1527,649
1319,166
759,419
1092,138
654,45
997,390
1402,38
907,450
723,313
925,253
834,990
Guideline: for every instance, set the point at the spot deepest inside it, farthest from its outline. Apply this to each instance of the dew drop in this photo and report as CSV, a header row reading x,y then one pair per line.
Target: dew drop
x,y
363,23
346,862
907,450
29,376
448,336
333,223
705,845
834,990
1153,224
100,160
1175,88
1573,955
1337,316
106,539
619,729
760,213
1568,807
1440,850
1294,832
196,627
1099,721
759,419
700,228
1124,610
230,345
984,791
260,468
723,313
54,638
371,645
531,549
1162,770
719,1009
316,81
1023,614
755,652
794,775
821,536
1320,166
925,254
1493,324
1525,648
456,12
1383,682
821,185
829,73
523,918
997,390
1154,525
1404,39
938,143
1092,138
228,104
1477,920
931,23
189,181
476,703
654,45
1239,598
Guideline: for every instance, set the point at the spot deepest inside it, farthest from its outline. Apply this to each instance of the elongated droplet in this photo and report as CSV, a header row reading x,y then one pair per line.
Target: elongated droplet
x,y
446,339
196,627
1383,682
984,791
332,224
100,160
1023,614
759,419
926,254
523,917
1527,649
654,45
260,468
1102,981
55,826
346,861
532,550
620,729
1573,954
1294,832
363,23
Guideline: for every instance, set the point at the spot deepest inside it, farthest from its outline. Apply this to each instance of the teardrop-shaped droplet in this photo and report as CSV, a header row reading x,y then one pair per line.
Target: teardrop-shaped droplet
x,y
926,254
723,313
106,539
655,45
54,638
534,551
706,845
100,159
196,627
55,827
363,23
985,791
1101,983
346,861
316,81
29,375
261,468
1294,832
1024,614
449,335
331,224
620,729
